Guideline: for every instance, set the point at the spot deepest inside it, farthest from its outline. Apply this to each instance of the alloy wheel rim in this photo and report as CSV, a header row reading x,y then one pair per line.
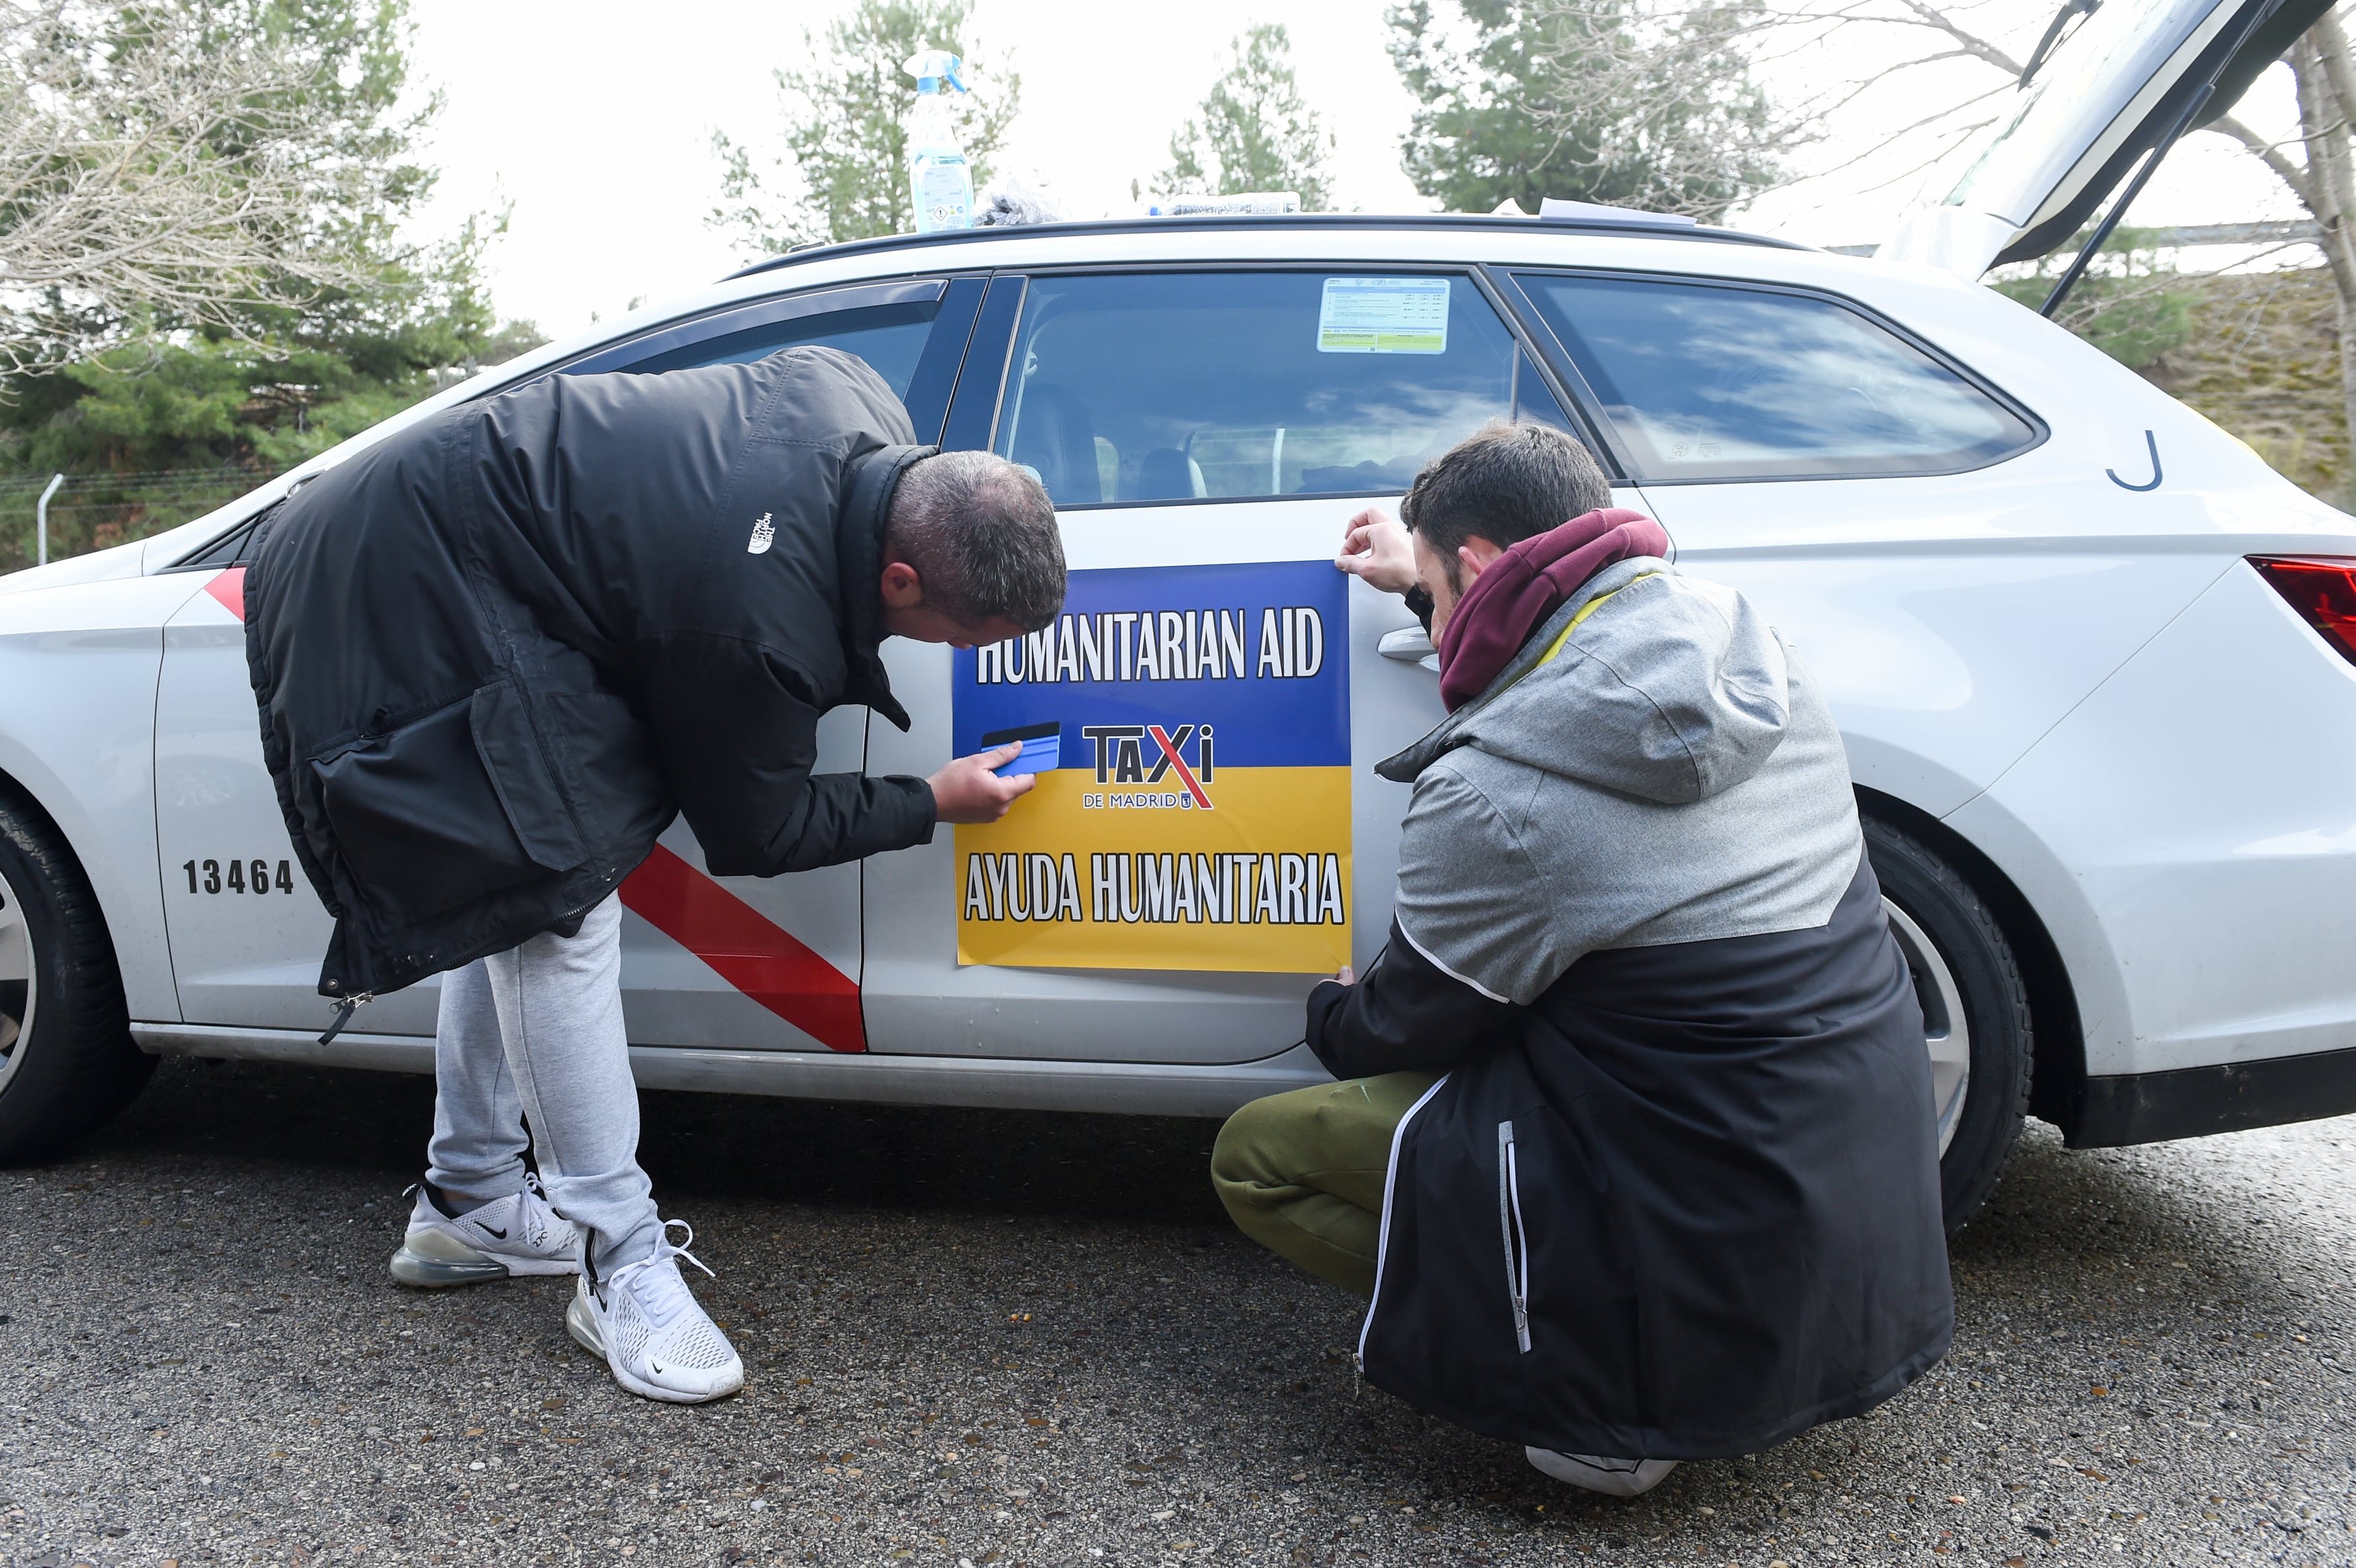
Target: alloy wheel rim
x,y
20,984
1946,1030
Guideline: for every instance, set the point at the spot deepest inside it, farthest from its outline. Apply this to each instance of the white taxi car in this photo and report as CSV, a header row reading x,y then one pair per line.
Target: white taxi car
x,y
2095,665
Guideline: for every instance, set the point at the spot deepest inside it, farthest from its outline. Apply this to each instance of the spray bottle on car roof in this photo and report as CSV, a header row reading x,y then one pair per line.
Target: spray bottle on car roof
x,y
940,182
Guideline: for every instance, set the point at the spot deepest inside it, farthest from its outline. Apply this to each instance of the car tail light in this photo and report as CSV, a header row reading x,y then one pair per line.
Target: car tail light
x,y
2322,589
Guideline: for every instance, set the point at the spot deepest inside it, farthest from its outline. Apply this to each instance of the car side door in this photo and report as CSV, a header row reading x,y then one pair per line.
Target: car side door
x,y
1212,839
706,961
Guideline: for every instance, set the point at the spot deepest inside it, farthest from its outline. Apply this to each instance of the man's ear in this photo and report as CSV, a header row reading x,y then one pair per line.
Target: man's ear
x,y
1478,555
901,588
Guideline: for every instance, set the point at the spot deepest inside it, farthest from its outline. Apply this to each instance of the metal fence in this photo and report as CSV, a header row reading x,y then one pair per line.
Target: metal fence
x,y
92,511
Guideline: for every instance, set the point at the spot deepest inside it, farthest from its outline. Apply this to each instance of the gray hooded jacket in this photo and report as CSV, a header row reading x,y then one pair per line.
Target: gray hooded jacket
x,y
1676,1195
1655,768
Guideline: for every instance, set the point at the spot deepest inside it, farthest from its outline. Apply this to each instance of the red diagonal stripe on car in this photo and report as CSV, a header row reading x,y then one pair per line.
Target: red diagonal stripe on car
x,y
230,589
748,949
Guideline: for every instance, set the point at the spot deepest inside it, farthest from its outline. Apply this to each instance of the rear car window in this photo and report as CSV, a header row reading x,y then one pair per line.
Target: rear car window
x,y
1175,386
1701,381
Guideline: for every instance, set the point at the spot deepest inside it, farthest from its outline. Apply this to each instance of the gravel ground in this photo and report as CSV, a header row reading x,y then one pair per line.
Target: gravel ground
x,y
984,1338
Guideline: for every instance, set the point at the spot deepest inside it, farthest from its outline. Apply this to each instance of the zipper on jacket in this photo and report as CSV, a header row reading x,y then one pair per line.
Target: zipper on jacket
x,y
1383,1230
1517,1242
344,1010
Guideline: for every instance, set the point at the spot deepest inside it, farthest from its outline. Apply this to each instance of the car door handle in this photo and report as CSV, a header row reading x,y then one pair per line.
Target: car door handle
x,y
1410,644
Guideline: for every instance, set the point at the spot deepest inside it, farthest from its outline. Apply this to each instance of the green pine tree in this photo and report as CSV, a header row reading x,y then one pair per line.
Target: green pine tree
x,y
846,130
1585,101
184,417
1255,132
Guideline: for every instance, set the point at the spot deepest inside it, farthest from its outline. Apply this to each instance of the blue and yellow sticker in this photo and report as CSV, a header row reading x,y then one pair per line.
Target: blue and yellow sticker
x,y
1193,724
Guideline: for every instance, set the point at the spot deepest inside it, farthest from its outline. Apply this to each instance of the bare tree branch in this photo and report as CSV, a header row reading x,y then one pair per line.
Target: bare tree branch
x,y
1974,45
2270,152
1669,56
149,166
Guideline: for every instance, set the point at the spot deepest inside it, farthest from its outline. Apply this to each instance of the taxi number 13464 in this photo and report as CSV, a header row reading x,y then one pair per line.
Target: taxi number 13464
x,y
242,877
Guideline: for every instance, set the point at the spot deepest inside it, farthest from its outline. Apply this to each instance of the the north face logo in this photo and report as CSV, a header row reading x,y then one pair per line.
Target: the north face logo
x,y
763,532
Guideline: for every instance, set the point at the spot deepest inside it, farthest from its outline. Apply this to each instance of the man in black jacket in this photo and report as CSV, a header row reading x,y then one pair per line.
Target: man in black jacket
x,y
1634,1153
496,652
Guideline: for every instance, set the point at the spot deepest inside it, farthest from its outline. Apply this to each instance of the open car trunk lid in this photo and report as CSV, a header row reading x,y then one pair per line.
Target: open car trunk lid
x,y
2109,84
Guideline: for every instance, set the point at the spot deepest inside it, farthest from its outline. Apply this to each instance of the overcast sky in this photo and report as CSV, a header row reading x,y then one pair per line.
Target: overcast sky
x,y
593,120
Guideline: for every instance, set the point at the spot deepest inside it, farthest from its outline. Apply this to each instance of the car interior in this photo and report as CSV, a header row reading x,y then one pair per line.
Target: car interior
x,y
1184,386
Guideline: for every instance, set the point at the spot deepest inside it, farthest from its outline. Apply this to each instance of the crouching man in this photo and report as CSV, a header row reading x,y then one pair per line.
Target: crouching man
x,y
1633,1154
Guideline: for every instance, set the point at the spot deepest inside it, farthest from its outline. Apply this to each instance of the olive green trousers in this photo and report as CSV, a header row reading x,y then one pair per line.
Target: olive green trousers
x,y
1302,1173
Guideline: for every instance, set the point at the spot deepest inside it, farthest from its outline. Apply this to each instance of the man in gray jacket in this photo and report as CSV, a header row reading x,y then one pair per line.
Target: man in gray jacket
x,y
1635,1156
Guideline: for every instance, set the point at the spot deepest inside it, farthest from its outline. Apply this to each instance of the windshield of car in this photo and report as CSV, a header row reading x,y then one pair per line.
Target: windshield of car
x,y
1174,386
1701,381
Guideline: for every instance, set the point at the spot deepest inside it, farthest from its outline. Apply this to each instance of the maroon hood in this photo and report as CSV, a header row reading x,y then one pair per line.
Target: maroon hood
x,y
1527,583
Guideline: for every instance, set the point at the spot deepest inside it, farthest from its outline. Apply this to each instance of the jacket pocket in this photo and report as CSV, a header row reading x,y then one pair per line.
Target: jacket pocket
x,y
509,745
1515,1235
448,808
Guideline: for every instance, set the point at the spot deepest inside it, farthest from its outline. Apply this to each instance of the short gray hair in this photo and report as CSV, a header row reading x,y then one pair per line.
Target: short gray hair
x,y
982,534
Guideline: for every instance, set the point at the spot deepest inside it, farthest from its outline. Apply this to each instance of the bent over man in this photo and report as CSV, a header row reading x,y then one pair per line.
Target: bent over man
x,y
1633,1152
497,653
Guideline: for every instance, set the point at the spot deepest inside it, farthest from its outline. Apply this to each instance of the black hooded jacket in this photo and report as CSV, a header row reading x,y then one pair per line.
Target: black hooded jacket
x,y
1678,1197
497,653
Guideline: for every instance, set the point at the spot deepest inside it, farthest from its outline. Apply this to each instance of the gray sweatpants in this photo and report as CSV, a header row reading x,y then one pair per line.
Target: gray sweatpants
x,y
536,1032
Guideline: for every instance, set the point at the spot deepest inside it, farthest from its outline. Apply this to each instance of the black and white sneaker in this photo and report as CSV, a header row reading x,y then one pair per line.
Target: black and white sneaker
x,y
1612,1478
515,1234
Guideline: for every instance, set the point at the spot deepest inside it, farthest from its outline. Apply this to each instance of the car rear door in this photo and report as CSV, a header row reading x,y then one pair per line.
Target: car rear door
x,y
706,961
1907,524
1213,839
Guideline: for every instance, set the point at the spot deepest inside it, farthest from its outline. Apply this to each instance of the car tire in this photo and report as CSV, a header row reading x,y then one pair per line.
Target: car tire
x,y
1970,984
67,1062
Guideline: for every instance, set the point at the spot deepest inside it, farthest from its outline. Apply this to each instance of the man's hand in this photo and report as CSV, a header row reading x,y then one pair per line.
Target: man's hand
x,y
966,790
1375,549
1347,977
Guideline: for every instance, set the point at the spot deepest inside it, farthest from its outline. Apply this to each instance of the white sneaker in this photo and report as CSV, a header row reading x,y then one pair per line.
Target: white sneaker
x,y
652,1332
515,1234
1612,1478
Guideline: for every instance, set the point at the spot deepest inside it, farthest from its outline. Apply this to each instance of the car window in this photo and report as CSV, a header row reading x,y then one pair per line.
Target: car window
x,y
891,337
886,324
1701,381
1161,387
230,550
1534,401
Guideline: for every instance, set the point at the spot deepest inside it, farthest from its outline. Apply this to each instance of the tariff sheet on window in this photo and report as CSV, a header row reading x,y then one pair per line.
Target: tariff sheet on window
x,y
1190,730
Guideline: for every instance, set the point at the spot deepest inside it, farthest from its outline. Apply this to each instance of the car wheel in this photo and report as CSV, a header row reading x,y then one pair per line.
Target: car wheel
x,y
1975,1013
67,1063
